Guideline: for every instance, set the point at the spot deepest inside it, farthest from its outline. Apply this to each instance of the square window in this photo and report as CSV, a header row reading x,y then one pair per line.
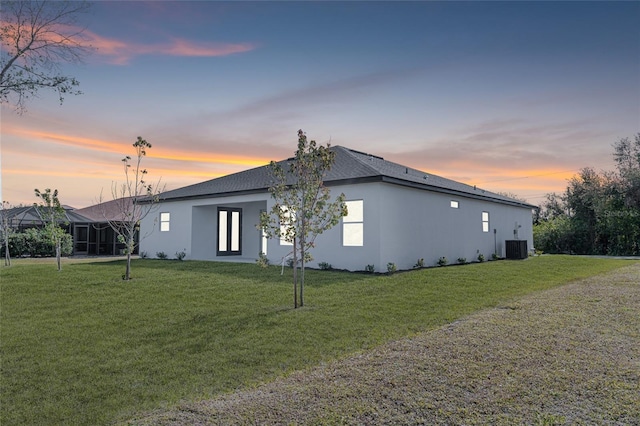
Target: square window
x,y
454,204
353,234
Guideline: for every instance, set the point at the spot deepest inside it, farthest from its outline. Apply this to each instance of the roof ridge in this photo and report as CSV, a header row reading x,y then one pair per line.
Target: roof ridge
x,y
351,153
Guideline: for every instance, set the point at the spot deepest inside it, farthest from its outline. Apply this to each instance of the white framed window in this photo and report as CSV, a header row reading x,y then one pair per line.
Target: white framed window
x,y
353,224
485,221
289,217
454,204
165,221
263,238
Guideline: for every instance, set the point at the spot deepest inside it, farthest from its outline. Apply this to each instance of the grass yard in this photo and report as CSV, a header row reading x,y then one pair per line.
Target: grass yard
x,y
83,347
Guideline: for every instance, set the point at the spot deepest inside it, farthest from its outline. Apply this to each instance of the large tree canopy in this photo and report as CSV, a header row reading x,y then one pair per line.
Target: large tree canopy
x,y
599,213
36,38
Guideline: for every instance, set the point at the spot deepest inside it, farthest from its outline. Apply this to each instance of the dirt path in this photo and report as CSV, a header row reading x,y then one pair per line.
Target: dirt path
x,y
570,355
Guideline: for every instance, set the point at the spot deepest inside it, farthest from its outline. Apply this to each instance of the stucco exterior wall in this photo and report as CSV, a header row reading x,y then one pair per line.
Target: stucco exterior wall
x,y
194,228
328,246
422,224
401,225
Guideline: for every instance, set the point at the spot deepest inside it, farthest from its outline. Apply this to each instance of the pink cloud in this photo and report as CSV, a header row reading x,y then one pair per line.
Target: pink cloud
x,y
120,52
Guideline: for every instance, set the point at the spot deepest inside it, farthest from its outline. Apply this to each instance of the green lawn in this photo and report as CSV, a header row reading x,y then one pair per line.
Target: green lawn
x,y
83,347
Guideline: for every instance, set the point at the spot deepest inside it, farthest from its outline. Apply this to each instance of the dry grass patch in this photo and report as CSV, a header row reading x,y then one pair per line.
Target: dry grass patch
x,y
569,355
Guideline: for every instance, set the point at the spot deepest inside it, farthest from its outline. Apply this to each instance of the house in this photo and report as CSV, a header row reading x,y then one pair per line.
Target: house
x,y
25,217
95,236
22,218
89,226
396,214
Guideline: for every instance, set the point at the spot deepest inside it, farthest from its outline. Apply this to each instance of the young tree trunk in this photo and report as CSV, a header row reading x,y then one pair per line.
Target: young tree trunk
x,y
7,255
58,254
295,274
127,272
302,255
130,246
302,284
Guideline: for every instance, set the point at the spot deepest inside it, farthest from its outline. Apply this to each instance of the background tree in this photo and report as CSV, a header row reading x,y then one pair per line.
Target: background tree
x,y
302,208
134,199
554,205
52,215
627,157
599,213
36,37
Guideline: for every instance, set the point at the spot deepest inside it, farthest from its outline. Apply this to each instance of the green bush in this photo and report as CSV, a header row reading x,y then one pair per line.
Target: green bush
x,y
263,260
36,242
391,268
325,266
555,236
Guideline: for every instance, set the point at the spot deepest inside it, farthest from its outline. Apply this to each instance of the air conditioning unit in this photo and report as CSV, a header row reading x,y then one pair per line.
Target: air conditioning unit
x,y
516,249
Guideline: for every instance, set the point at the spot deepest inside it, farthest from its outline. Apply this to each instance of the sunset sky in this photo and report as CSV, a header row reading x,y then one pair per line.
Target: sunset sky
x,y
509,96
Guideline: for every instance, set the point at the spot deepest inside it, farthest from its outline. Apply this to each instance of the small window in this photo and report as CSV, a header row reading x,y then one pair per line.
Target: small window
x,y
164,222
485,221
289,217
263,238
353,224
454,204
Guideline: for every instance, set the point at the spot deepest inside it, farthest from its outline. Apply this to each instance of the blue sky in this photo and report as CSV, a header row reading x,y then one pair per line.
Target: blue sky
x,y
510,96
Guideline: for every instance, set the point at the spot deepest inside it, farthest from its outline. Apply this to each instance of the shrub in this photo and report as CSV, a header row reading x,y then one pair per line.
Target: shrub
x,y
481,257
161,255
36,242
556,235
143,255
325,266
262,260
391,267
419,263
494,256
462,260
442,261
370,269
180,255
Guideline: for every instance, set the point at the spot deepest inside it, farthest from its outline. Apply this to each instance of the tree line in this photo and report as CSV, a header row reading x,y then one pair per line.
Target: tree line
x,y
599,212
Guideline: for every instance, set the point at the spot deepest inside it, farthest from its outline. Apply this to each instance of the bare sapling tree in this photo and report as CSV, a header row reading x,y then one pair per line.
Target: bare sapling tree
x,y
36,38
52,215
6,230
135,199
302,208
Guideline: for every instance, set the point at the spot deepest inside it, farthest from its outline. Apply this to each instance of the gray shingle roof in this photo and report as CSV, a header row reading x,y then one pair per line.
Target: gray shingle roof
x,y
107,211
350,166
29,215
